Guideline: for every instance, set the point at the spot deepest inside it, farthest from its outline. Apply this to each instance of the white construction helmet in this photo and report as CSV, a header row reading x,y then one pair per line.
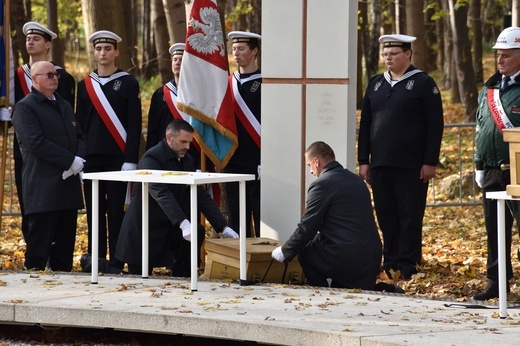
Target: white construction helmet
x,y
509,38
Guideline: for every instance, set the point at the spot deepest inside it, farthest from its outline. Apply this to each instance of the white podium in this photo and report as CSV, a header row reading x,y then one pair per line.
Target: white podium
x,y
145,177
501,197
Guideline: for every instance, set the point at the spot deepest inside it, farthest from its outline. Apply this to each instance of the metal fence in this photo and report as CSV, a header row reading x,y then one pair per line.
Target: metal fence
x,y
457,152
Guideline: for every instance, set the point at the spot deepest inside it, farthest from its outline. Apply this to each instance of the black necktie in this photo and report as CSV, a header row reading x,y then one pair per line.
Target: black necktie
x,y
505,82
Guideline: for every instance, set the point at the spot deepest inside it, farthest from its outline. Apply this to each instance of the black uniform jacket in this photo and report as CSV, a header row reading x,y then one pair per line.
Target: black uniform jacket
x,y
401,125
124,96
49,139
338,233
168,206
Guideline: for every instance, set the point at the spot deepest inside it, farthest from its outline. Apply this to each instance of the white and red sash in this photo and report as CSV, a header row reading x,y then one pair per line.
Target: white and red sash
x,y
103,107
497,110
24,76
244,114
170,96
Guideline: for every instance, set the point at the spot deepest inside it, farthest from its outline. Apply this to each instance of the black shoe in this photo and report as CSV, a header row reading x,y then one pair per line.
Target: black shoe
x,y
86,263
384,287
490,292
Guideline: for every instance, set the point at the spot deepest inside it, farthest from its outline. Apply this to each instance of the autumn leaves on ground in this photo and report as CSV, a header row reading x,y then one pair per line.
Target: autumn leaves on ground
x,y
454,238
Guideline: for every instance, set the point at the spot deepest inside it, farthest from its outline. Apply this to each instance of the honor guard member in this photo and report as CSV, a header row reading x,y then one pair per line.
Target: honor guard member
x,y
109,113
246,87
163,107
38,42
400,137
498,103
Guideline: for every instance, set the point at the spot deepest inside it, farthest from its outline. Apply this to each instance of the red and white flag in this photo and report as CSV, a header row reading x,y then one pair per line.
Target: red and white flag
x,y
203,90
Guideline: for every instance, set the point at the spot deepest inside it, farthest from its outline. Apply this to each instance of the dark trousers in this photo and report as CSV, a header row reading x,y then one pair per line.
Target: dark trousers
x,y
180,252
111,211
252,206
18,166
400,200
50,239
496,180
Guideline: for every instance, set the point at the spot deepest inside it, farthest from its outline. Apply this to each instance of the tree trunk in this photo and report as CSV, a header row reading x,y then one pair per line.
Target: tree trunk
x,y
415,27
476,39
372,45
463,62
109,15
175,13
18,19
160,32
363,40
149,66
515,12
57,53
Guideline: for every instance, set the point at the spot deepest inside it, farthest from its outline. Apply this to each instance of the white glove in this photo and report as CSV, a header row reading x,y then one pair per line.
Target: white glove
x,y
186,229
77,165
278,255
128,166
479,177
258,170
67,174
229,233
6,113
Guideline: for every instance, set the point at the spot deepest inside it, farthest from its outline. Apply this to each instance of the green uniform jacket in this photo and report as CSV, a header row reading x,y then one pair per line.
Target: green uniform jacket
x,y
492,151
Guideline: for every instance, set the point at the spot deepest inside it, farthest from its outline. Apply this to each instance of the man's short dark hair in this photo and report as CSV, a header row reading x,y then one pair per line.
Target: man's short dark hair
x,y
176,125
321,150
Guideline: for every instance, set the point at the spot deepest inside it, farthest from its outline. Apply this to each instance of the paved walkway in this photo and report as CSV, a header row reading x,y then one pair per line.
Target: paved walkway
x,y
271,314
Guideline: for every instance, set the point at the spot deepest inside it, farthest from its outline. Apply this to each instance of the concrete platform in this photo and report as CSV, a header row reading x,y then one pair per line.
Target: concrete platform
x,y
270,314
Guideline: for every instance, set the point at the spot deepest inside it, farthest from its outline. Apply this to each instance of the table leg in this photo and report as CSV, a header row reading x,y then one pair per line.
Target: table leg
x,y
145,231
95,232
194,236
502,277
243,235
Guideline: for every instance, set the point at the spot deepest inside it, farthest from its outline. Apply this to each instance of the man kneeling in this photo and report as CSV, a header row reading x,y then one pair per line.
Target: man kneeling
x,y
336,241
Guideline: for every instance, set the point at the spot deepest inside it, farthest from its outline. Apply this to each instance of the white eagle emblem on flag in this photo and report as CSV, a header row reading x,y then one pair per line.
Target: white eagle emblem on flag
x,y
211,39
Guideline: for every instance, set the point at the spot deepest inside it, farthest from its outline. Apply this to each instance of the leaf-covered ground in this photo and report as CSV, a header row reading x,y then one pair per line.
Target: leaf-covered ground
x,y
454,238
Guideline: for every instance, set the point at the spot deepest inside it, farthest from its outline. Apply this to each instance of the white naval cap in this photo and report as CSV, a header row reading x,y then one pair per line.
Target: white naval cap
x,y
104,36
38,29
397,40
243,36
176,49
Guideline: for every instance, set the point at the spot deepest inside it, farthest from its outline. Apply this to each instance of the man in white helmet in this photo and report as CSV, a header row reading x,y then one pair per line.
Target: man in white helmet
x,y
499,108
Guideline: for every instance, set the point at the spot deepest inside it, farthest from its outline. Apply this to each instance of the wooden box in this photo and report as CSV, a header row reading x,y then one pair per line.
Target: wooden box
x,y
223,261
512,136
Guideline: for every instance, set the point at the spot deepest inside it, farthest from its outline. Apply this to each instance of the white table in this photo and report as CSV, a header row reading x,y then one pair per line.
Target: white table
x,y
501,197
147,176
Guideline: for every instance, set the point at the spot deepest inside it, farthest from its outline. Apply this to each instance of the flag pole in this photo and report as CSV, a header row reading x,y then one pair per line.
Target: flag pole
x,y
7,47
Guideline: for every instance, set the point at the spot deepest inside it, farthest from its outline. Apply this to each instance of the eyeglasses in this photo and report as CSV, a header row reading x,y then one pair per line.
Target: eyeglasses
x,y
390,55
49,75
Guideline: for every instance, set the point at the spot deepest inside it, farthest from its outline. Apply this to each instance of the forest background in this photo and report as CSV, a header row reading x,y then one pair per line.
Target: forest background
x,y
454,46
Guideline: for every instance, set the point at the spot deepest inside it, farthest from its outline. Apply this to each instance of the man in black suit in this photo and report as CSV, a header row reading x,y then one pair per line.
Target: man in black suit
x,y
336,241
169,209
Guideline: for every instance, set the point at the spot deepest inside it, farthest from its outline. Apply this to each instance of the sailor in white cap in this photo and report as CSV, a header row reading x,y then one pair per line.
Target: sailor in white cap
x,y
104,36
398,150
109,113
38,42
37,28
497,110
163,107
246,91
